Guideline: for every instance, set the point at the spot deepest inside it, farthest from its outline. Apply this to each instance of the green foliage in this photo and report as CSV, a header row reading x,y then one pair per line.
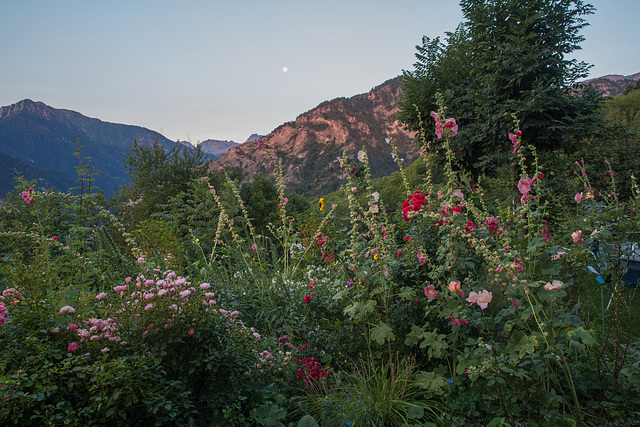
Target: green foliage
x,y
507,57
156,174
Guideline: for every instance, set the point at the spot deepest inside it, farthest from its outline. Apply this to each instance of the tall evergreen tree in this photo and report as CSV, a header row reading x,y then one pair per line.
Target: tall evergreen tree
x,y
508,57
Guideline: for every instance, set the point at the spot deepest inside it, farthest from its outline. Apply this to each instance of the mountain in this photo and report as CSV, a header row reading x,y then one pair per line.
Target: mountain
x,y
310,145
612,84
43,137
215,148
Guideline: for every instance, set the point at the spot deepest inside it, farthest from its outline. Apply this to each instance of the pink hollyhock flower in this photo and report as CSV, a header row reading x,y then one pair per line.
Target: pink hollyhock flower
x,y
577,237
430,292
362,156
311,283
234,313
101,295
54,238
451,124
72,327
72,347
524,185
306,299
457,321
553,286
105,350
141,260
399,253
484,298
256,335
546,236
205,286
421,258
254,247
148,307
578,197
518,264
458,193
54,331
191,331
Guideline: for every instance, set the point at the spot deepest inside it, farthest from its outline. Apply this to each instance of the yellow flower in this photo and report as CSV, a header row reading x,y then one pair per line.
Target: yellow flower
x,y
375,256
321,202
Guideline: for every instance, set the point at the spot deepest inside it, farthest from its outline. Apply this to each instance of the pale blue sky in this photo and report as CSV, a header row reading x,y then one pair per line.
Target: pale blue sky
x,y
195,70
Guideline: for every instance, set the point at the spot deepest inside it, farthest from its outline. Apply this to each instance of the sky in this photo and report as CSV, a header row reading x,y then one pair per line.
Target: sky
x,y
195,70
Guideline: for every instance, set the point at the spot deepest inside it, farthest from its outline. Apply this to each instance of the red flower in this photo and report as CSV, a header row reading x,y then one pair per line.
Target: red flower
x,y
307,299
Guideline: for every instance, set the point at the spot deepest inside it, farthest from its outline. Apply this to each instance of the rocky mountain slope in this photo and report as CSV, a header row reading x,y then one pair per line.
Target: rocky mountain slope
x,y
310,145
612,84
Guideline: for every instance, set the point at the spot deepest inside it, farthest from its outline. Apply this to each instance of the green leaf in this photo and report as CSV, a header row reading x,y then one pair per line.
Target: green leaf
x,y
308,421
415,412
407,293
382,332
581,338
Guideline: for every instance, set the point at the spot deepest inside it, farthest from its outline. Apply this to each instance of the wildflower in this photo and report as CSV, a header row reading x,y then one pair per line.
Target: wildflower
x,y
578,197
430,292
191,331
421,258
553,286
362,156
514,141
482,299
558,256
412,204
54,238
407,238
456,287
457,321
254,247
54,331
399,253
458,193
518,264
148,307
105,350
577,237
141,260
256,335
306,299
72,347
101,295
546,236
524,185
67,310
321,203
72,327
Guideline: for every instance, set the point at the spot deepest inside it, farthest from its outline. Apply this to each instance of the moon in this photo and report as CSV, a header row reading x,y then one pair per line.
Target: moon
x,y
285,69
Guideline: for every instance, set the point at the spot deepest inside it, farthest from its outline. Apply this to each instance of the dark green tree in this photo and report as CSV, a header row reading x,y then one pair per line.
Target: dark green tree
x,y
507,57
157,173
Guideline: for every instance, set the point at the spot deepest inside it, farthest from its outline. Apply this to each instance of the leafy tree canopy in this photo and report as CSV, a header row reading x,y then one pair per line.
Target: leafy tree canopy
x,y
508,57
157,173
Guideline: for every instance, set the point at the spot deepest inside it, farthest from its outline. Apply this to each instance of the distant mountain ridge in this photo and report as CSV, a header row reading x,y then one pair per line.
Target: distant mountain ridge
x,y
215,147
310,145
44,137
612,84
